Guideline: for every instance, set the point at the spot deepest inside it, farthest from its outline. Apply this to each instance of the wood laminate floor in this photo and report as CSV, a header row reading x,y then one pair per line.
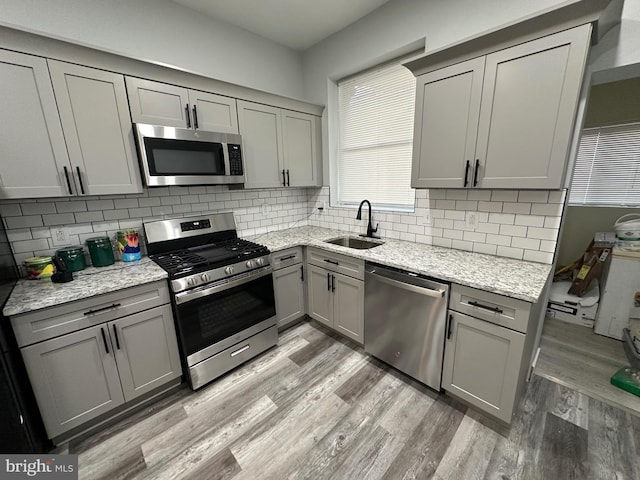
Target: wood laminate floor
x,y
578,358
318,407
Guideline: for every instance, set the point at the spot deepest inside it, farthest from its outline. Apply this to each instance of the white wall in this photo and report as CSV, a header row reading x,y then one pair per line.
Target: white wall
x,y
166,33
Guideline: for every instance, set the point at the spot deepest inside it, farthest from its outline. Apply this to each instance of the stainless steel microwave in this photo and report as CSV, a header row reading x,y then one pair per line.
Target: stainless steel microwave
x,y
180,156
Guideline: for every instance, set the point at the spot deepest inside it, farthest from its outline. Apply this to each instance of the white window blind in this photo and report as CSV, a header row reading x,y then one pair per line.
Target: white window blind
x,y
607,170
376,111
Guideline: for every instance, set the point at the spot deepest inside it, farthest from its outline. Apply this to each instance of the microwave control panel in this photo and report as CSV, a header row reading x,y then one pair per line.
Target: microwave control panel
x,y
235,160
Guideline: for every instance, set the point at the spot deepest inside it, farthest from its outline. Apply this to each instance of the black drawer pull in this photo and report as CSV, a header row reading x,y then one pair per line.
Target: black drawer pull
x,y
333,283
104,339
80,180
66,175
302,273
466,174
186,114
284,181
115,334
329,281
486,307
331,261
288,257
195,117
113,305
475,173
288,180
450,327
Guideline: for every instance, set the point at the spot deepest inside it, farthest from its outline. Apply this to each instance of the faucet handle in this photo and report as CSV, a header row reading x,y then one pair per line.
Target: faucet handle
x,y
375,229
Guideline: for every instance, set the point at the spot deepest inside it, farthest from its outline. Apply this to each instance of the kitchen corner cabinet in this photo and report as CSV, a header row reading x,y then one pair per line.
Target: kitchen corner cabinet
x,y
335,299
87,373
289,285
487,350
95,120
158,103
281,147
504,120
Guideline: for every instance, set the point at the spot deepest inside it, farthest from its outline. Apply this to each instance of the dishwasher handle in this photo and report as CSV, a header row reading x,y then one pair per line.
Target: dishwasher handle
x,y
429,292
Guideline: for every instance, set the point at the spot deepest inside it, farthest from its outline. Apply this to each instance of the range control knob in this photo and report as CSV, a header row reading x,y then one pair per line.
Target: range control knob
x,y
192,281
260,261
228,270
250,264
205,277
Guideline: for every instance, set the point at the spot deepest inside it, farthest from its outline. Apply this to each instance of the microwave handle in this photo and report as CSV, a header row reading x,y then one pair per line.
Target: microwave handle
x,y
186,114
195,117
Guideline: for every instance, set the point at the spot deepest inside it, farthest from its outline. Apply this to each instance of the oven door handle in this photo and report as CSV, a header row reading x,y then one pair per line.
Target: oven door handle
x,y
205,291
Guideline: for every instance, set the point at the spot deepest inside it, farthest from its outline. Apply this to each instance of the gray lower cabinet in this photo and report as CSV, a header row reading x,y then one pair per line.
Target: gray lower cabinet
x,y
289,290
337,301
488,349
85,374
482,364
504,120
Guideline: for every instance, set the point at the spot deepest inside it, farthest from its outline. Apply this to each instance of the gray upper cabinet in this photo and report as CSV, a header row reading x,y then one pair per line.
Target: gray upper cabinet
x,y
33,151
281,147
158,103
97,128
501,121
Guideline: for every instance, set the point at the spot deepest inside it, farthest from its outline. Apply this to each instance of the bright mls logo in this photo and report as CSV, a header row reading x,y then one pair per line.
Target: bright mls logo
x,y
52,467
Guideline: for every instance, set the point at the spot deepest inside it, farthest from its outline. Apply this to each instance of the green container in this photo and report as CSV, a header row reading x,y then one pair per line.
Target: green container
x,y
100,251
73,258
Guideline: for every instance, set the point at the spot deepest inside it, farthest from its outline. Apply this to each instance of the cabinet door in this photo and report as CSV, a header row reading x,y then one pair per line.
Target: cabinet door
x,y
32,144
482,364
529,104
300,149
446,123
289,290
320,297
74,378
348,307
214,113
158,103
146,350
260,128
97,127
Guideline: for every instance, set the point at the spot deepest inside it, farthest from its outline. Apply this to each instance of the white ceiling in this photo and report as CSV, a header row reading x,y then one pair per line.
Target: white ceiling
x,y
297,24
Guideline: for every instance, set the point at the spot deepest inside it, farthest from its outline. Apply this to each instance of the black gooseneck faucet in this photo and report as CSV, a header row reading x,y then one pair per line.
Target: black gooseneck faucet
x,y
370,229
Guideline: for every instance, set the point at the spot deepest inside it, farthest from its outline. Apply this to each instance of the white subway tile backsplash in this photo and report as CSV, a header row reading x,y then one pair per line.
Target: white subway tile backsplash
x,y
467,205
453,234
442,242
58,219
502,218
488,228
529,220
547,246
462,245
116,214
457,194
548,209
19,234
511,252
103,204
38,208
126,203
509,207
485,248
552,222
84,217
557,196
543,233
526,243
540,257
495,207
455,214
72,206
475,237
22,246
504,196
25,221
498,240
513,230
479,195
11,210
446,204
533,196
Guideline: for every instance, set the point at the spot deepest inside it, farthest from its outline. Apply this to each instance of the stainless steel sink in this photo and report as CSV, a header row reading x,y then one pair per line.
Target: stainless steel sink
x,y
354,242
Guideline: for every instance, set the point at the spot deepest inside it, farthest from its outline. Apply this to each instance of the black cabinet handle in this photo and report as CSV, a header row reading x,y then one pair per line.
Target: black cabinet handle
x,y
302,273
329,281
475,173
113,305
288,257
80,180
115,334
333,283
486,307
186,114
284,181
288,182
466,174
450,327
66,175
195,117
331,261
104,339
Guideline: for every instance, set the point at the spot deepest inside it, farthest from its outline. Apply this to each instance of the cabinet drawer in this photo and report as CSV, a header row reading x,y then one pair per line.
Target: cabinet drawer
x,y
287,257
335,262
505,311
51,322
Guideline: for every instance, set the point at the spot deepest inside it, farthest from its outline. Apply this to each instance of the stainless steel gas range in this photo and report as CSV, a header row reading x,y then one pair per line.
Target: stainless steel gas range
x,y
222,292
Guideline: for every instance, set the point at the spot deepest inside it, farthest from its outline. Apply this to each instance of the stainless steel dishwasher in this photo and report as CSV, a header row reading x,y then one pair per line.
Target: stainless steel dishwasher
x,y
405,318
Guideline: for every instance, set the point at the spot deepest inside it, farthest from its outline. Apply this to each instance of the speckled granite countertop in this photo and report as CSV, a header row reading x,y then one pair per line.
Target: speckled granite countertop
x,y
29,295
505,276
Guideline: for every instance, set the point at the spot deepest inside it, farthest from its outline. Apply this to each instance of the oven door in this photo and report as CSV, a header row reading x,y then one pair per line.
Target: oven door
x,y
214,317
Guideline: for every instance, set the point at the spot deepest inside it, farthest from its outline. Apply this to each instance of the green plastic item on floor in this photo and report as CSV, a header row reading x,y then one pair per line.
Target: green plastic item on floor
x,y
627,378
